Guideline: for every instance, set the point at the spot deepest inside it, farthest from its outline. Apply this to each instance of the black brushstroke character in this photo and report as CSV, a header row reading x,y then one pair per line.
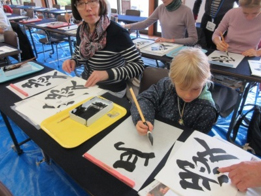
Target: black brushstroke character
x,y
222,58
64,92
127,165
41,81
214,155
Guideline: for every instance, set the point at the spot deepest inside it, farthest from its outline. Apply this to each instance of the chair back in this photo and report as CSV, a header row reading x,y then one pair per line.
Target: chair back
x,y
26,3
61,18
24,43
17,11
114,11
132,12
11,38
31,4
68,7
152,75
4,191
30,13
56,6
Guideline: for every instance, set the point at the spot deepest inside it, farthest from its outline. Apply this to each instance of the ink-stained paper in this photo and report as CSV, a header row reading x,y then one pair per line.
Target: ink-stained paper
x,y
40,83
141,43
159,48
132,154
66,91
231,60
193,168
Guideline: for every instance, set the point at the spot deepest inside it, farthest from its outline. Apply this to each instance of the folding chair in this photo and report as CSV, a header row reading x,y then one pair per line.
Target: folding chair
x,y
11,38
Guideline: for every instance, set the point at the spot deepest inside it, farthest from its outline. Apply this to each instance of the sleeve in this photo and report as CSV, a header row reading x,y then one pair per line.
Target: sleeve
x,y
146,23
223,25
196,8
4,22
191,30
149,102
133,63
76,55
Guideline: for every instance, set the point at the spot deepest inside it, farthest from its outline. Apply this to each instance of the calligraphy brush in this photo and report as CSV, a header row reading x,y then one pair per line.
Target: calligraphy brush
x,y
223,40
149,134
13,66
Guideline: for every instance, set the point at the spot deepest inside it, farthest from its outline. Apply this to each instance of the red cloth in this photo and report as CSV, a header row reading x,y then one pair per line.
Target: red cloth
x,y
8,9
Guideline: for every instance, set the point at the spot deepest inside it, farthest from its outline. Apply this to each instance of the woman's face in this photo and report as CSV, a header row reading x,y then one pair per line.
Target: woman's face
x,y
167,2
190,94
89,10
251,13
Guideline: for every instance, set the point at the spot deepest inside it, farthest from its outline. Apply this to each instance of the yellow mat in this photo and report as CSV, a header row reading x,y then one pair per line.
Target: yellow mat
x,y
69,133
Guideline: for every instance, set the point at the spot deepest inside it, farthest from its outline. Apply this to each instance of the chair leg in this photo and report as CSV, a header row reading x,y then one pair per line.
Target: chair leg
x,y
57,56
44,53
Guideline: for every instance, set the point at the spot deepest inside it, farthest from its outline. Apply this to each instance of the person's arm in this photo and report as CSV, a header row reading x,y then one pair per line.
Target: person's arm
x,y
196,8
133,63
221,29
4,22
191,29
244,175
145,23
252,52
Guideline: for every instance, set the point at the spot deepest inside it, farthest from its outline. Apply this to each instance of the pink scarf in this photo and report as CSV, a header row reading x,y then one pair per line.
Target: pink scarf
x,y
92,42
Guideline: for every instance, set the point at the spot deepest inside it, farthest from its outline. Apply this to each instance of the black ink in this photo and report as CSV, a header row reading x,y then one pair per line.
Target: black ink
x,y
127,165
223,59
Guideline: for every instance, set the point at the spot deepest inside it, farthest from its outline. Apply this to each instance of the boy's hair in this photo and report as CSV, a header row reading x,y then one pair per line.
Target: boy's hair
x,y
250,3
189,66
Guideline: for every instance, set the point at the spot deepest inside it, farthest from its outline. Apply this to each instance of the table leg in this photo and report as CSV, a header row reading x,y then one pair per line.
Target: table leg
x,y
11,132
35,51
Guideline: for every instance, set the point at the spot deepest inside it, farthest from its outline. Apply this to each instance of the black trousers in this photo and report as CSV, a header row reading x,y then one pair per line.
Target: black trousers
x,y
206,34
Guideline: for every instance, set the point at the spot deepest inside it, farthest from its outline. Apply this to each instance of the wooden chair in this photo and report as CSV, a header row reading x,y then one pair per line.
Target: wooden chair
x,y
26,3
30,13
133,13
56,6
17,11
11,38
68,7
114,11
32,4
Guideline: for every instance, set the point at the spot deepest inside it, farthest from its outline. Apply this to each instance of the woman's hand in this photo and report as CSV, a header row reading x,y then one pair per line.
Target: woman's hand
x,y
244,175
221,45
142,128
250,52
95,77
161,39
69,65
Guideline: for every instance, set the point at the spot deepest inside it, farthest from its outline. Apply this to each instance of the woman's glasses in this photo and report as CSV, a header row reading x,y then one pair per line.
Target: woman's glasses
x,y
81,4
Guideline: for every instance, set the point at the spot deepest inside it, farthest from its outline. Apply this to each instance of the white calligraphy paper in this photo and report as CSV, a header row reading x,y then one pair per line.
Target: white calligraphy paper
x,y
159,49
5,49
39,83
193,169
255,67
222,58
140,43
139,158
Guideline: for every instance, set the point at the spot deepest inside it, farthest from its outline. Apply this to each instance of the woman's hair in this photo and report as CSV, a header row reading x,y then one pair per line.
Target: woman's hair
x,y
77,16
250,3
189,66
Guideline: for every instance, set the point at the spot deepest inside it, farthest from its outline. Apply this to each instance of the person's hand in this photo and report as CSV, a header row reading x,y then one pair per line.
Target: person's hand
x,y
67,17
244,175
68,65
161,39
95,77
221,45
142,128
250,52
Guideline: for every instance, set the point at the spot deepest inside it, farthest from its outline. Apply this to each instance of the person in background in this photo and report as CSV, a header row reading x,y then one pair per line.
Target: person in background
x,y
183,97
7,9
104,48
214,12
244,175
175,19
243,27
4,24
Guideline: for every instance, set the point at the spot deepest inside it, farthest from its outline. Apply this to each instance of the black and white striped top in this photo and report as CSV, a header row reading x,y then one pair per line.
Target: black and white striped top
x,y
120,58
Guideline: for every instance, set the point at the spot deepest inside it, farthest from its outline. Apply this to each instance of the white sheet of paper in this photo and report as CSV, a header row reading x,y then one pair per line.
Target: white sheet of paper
x,y
159,49
72,27
40,83
191,154
255,67
32,106
141,43
5,49
66,91
221,58
164,136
